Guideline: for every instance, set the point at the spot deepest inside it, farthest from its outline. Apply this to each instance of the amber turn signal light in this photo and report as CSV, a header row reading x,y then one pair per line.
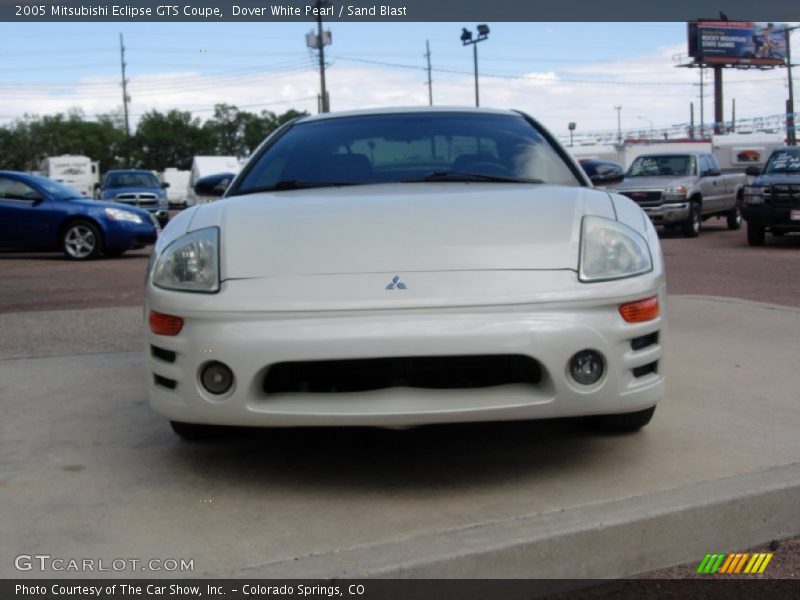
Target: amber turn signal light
x,y
640,311
162,324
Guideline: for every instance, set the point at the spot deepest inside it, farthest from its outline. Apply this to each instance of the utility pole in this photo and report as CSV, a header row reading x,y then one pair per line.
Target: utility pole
x,y
430,81
324,104
125,97
318,41
618,108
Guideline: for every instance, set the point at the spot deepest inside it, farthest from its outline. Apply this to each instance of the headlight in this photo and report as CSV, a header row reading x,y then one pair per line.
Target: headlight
x,y
675,192
754,194
190,263
122,215
611,250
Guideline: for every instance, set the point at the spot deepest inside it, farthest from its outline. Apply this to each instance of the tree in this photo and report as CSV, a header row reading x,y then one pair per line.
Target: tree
x,y
169,140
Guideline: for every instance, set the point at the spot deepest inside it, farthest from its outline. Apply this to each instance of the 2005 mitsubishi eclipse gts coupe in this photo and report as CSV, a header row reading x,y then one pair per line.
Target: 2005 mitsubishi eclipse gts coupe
x,y
403,267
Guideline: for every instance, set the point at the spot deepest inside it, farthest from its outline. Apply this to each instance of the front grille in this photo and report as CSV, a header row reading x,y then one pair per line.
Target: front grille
x,y
783,194
162,354
644,197
132,196
432,372
645,369
165,382
651,339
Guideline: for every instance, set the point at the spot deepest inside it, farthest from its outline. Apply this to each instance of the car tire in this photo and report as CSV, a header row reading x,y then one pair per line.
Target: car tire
x,y
624,422
755,234
691,226
194,432
81,240
735,218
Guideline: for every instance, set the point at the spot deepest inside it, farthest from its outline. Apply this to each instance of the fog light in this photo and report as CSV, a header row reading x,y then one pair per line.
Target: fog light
x,y
216,377
586,367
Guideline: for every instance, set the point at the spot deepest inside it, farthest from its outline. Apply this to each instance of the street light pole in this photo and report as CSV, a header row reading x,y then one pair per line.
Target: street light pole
x,y
618,108
466,40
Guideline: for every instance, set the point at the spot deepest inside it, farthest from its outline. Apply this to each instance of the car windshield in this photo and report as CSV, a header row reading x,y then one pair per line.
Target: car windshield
x,y
408,147
658,166
59,190
784,161
115,180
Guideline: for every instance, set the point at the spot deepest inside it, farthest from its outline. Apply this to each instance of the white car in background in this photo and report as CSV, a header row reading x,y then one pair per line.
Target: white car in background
x,y
403,267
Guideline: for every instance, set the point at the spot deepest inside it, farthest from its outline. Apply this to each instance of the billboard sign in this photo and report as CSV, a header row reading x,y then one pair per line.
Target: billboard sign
x,y
737,43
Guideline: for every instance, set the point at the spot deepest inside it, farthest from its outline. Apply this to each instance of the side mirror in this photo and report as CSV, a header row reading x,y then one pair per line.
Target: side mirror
x,y
164,185
213,185
752,171
607,179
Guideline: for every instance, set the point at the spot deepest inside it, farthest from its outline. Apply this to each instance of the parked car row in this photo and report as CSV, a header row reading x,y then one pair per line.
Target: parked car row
x,y
679,190
37,213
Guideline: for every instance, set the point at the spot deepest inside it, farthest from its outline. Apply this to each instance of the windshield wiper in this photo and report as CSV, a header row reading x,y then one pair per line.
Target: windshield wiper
x,y
296,184
463,176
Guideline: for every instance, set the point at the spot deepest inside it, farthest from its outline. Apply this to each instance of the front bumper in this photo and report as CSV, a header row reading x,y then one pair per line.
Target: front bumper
x,y
249,342
774,218
672,212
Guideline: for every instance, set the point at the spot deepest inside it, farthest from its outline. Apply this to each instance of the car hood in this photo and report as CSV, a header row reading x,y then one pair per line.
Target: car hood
x,y
95,204
660,182
779,178
413,227
133,190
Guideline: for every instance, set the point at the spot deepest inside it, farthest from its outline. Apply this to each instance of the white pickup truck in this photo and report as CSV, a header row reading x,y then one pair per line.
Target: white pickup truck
x,y
683,189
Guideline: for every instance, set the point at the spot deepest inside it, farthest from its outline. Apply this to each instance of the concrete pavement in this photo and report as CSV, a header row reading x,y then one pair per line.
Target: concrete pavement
x,y
87,471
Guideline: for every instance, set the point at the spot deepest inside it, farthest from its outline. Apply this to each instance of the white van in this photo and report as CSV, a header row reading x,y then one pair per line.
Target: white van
x,y
78,172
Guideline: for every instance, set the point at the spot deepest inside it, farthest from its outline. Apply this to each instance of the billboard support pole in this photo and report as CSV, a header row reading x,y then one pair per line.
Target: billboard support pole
x,y
791,134
691,120
718,106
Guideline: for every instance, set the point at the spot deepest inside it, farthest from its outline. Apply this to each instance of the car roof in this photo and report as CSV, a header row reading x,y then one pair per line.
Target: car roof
x,y
128,171
687,153
408,110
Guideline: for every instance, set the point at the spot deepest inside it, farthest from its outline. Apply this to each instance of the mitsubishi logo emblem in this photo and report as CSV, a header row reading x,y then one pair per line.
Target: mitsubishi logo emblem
x,y
396,283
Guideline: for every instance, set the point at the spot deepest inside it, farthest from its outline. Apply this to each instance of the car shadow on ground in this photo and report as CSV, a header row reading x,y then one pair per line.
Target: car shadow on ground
x,y
59,257
422,458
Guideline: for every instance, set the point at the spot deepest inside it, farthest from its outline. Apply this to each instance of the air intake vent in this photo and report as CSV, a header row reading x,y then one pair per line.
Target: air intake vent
x,y
433,372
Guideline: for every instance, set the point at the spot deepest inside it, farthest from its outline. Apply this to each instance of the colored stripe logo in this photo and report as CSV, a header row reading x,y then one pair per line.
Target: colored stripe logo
x,y
736,563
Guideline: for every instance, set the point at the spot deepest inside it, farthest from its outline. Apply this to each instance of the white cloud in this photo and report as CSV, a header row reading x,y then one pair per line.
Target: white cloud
x,y
553,97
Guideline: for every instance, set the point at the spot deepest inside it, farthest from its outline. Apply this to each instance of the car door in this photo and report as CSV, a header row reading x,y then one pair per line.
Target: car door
x,y
25,215
709,186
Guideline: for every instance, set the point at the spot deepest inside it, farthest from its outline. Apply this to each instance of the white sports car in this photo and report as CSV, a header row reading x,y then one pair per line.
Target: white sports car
x,y
401,267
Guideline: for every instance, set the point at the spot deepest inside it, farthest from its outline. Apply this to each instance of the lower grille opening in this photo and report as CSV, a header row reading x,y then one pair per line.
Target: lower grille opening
x,y
162,354
432,372
645,369
651,339
165,382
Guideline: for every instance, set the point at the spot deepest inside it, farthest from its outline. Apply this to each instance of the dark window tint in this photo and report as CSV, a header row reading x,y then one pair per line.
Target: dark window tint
x,y
406,147
17,190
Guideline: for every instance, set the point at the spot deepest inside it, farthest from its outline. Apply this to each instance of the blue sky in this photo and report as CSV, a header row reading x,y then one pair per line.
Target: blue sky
x,y
558,72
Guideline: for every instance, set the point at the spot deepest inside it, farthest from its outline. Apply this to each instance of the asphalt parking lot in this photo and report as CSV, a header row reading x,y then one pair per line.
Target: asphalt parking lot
x,y
87,469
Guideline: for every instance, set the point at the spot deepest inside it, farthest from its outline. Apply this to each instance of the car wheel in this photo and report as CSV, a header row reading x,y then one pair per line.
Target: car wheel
x,y
755,234
691,227
625,422
735,218
195,432
81,240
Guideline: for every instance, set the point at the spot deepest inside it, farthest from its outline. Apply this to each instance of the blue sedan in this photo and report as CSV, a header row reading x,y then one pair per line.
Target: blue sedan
x,y
37,213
